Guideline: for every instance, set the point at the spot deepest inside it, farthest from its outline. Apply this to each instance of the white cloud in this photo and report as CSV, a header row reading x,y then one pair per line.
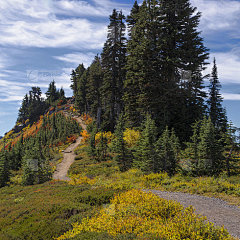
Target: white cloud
x,y
77,33
12,98
37,23
231,96
218,14
228,64
77,58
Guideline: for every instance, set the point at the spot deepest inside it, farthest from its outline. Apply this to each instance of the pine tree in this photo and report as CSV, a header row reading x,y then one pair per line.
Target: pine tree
x,y
75,78
94,83
167,148
23,111
113,62
123,156
52,93
216,111
35,167
145,156
81,95
4,168
62,94
132,18
79,87
158,52
138,66
210,150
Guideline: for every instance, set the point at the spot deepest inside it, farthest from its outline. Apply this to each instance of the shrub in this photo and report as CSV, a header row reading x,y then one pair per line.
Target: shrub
x,y
144,214
96,197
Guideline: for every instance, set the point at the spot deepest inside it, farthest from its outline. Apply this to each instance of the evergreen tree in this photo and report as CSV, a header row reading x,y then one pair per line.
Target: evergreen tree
x,y
75,78
206,149
4,168
35,168
81,95
23,111
216,111
132,18
79,87
123,156
158,52
167,148
101,148
52,94
113,62
145,156
94,83
62,94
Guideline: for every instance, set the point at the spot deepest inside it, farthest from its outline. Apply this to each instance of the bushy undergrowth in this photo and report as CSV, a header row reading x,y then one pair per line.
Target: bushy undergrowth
x,y
41,212
146,216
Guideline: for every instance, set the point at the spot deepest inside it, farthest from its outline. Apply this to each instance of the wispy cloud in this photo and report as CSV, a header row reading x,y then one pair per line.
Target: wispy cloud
x,y
231,96
219,15
228,64
77,58
40,23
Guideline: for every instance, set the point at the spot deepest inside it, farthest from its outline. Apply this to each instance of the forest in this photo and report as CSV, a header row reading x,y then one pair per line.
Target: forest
x,y
149,78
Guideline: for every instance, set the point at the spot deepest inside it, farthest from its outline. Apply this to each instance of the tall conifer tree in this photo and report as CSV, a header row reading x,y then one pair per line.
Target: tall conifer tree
x,y
113,63
216,111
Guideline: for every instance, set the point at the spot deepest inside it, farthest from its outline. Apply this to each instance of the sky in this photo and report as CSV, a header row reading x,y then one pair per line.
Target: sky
x,y
43,40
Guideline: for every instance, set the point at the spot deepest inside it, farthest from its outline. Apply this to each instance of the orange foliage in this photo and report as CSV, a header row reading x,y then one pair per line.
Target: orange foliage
x,y
85,136
87,119
71,139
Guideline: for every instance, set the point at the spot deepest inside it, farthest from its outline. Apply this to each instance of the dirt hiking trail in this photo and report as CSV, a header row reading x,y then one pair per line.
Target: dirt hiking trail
x,y
61,172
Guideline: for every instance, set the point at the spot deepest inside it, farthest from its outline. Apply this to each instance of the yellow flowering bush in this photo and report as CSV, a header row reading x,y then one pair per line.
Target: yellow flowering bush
x,y
79,180
131,136
105,135
146,215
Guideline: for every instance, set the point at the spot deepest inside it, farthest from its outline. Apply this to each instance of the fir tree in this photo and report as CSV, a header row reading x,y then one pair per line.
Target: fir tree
x,y
158,52
216,111
52,94
145,156
113,62
210,150
79,87
167,148
132,18
94,83
123,156
4,168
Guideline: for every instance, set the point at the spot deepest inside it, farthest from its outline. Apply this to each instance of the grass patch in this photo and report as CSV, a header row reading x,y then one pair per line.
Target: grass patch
x,y
46,211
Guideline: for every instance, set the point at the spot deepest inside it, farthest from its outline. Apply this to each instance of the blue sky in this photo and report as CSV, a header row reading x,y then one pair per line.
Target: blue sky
x,y
42,40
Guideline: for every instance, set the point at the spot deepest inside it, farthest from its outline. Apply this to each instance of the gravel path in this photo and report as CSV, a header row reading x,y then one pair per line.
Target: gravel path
x,y
61,172
216,210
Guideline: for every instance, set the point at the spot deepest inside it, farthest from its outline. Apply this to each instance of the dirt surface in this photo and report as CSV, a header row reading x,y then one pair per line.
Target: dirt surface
x,y
68,157
216,210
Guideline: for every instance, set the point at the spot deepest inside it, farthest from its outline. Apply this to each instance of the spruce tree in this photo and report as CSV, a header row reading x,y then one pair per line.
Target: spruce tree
x,y
93,88
52,93
158,52
167,148
216,111
81,95
113,63
123,156
79,87
210,150
145,156
4,168
132,18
